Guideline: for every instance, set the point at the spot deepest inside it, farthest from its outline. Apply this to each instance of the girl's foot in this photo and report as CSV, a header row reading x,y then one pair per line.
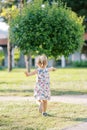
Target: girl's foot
x,y
44,114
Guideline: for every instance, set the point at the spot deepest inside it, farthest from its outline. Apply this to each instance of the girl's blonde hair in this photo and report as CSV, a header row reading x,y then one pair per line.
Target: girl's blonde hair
x,y
41,61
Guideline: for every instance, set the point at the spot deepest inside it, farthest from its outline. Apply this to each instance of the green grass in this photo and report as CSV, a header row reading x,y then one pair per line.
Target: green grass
x,y
63,82
24,115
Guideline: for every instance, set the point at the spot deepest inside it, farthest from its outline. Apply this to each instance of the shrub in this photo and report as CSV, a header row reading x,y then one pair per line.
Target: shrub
x,y
79,64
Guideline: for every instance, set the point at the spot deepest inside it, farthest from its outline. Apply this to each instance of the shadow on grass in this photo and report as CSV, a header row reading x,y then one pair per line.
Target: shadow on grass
x,y
68,92
40,115
14,90
80,119
30,92
51,115
76,119
17,92
10,83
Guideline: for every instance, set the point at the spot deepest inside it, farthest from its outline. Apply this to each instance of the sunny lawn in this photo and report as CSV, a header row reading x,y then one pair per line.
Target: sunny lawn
x,y
63,81
24,115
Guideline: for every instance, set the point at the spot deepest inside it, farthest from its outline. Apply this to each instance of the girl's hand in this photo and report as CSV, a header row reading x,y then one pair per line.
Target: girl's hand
x,y
53,69
26,73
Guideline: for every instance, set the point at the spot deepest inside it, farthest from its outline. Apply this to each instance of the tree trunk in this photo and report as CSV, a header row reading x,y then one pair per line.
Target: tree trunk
x,y
62,61
27,62
9,56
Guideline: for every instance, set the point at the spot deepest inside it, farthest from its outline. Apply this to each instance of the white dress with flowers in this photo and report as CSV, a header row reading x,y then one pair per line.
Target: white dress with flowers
x,y
42,88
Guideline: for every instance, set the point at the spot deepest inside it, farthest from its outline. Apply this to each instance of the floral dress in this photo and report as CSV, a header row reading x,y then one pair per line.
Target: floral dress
x,y
42,88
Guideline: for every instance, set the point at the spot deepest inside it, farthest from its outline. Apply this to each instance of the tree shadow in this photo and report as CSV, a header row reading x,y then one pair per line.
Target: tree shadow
x,y
30,91
15,91
68,92
78,119
4,82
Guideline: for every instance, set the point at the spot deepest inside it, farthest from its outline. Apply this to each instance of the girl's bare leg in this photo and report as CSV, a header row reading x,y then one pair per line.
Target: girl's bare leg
x,y
44,105
40,105
38,102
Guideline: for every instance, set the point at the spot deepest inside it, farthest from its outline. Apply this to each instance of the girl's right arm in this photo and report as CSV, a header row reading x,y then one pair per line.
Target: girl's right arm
x,y
31,73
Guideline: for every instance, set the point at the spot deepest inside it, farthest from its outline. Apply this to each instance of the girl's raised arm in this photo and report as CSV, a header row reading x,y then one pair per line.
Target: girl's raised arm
x,y
31,73
51,69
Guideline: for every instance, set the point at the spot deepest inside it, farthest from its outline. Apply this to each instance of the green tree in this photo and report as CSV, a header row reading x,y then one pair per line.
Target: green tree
x,y
8,14
50,30
8,9
79,7
7,4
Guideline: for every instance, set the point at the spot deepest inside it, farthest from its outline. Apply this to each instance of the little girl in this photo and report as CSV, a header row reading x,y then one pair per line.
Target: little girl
x,y
42,88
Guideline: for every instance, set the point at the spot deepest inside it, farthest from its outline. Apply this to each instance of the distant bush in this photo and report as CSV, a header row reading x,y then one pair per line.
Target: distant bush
x,y
80,64
1,57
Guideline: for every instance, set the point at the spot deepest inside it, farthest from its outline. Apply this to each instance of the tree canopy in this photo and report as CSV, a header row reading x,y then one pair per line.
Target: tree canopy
x,y
79,7
53,30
